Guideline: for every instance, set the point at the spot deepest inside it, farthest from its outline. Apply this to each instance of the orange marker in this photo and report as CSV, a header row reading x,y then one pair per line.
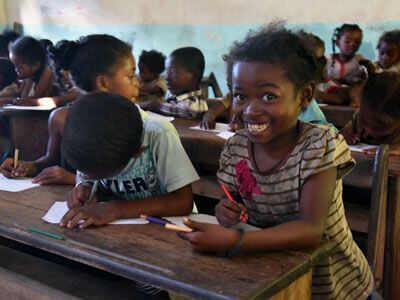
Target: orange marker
x,y
243,215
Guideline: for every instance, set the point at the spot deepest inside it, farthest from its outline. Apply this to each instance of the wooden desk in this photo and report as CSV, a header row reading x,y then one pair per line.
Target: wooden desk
x,y
28,132
338,115
151,254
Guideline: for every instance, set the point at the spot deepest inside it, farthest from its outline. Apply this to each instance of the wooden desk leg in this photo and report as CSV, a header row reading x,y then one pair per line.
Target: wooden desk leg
x,y
392,252
299,289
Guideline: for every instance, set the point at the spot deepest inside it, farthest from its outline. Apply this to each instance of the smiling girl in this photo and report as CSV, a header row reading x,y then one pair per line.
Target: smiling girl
x,y
287,172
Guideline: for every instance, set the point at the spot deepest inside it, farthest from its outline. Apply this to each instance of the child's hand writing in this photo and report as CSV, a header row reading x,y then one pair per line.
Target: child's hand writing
x,y
93,214
349,135
228,214
54,175
23,169
209,237
208,121
79,195
7,167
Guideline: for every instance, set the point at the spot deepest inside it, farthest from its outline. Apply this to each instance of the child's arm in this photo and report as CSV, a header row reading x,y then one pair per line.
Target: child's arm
x,y
176,203
151,88
47,175
350,130
55,101
209,117
316,198
45,82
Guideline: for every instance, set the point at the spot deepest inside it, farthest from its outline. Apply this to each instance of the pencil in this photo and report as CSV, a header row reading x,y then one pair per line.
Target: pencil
x,y
177,227
92,192
16,154
243,215
46,233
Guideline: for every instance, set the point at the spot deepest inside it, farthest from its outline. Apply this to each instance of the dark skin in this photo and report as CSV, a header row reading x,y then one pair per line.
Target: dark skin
x,y
179,81
376,130
269,105
26,72
176,203
123,81
44,170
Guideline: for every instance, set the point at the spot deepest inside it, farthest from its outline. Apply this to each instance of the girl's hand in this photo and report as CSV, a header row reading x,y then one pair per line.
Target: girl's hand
x,y
54,175
93,214
7,167
349,135
24,169
228,214
79,195
235,125
208,121
209,237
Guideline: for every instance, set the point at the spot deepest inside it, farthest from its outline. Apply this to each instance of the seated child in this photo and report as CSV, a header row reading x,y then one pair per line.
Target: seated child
x,y
184,71
377,120
345,69
109,66
309,113
388,52
152,85
7,74
288,173
36,78
140,161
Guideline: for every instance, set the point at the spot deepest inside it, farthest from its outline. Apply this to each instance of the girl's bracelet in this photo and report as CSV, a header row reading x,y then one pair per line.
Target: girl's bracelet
x,y
235,249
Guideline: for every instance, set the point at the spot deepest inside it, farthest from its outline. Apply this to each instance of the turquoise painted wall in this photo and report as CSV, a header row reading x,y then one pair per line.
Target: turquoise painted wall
x,y
213,40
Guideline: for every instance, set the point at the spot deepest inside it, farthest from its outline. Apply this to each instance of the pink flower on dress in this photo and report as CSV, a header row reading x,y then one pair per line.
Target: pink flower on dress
x,y
247,182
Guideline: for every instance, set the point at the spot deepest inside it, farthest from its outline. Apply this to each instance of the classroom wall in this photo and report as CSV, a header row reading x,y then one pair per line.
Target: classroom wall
x,y
211,25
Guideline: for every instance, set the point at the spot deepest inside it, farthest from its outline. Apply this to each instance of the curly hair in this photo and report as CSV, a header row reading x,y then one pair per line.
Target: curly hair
x,y
390,37
29,50
381,93
276,45
102,132
191,59
94,55
153,60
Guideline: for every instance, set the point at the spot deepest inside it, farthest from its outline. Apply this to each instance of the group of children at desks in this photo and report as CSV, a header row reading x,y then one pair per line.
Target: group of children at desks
x,y
281,170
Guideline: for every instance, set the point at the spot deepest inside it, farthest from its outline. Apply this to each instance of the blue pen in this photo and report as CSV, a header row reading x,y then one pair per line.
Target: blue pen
x,y
156,220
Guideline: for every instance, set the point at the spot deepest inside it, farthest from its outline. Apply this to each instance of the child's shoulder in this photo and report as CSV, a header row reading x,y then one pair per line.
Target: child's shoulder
x,y
318,134
153,125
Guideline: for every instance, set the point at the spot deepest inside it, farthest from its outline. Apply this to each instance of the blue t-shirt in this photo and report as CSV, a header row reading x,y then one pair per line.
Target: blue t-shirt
x,y
313,114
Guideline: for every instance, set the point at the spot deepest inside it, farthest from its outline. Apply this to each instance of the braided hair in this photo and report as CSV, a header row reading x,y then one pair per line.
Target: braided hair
x,y
337,34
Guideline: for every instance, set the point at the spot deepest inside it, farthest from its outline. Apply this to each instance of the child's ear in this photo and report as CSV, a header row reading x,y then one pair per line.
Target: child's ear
x,y
307,94
101,83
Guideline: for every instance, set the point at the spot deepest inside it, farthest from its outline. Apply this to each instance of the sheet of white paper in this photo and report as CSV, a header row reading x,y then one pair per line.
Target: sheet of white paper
x,y
17,107
59,209
160,117
226,134
360,147
219,127
209,219
16,185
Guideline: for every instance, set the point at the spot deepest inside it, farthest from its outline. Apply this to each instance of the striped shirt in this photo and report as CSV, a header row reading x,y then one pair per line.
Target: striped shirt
x,y
273,198
189,105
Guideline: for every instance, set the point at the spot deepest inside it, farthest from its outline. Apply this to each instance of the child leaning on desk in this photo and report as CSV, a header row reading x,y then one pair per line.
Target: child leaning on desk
x,y
35,76
287,172
141,163
97,62
184,72
377,121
